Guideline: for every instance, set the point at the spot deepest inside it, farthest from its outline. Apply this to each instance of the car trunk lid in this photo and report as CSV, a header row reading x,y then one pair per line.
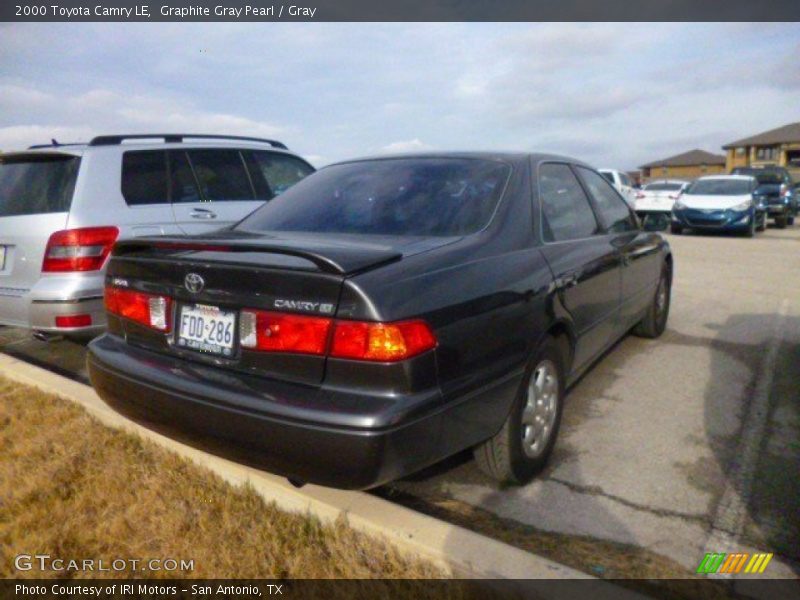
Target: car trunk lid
x,y
294,274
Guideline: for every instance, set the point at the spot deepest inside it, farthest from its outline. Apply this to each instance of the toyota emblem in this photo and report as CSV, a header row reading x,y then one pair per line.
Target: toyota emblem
x,y
194,283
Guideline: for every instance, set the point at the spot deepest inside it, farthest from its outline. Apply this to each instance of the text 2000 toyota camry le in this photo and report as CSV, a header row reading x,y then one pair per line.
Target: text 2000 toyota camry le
x,y
384,314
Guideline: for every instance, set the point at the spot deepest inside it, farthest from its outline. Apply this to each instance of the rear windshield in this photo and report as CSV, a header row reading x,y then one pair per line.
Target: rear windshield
x,y
33,185
720,187
768,176
663,187
404,196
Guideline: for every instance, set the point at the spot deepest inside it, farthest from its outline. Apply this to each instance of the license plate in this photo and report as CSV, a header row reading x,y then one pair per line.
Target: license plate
x,y
2,258
207,329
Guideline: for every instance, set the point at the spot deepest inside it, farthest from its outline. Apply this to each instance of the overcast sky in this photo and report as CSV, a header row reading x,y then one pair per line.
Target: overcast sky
x,y
616,95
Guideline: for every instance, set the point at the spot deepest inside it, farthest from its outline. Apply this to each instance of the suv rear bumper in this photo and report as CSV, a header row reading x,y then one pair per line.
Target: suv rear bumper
x,y
266,423
55,296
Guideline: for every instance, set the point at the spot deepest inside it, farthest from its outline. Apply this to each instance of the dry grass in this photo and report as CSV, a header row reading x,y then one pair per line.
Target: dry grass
x,y
73,488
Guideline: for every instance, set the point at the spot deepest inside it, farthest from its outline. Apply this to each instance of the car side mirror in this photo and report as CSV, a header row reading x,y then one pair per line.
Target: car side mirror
x,y
655,222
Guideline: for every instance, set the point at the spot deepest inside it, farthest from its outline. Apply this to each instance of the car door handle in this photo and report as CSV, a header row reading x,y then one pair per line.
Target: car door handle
x,y
203,213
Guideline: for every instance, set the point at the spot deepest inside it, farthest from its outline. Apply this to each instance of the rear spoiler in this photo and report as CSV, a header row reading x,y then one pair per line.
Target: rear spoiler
x,y
331,259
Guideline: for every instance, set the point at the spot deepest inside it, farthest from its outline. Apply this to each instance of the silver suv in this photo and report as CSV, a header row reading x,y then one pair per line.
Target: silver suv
x,y
62,208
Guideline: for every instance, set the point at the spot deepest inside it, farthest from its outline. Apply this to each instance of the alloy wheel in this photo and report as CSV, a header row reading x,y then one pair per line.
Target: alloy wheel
x,y
539,413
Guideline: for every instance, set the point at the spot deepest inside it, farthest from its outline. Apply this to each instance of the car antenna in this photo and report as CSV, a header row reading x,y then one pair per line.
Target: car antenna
x,y
54,142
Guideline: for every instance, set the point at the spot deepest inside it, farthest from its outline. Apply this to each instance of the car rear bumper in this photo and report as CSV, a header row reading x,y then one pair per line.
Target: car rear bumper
x,y
266,422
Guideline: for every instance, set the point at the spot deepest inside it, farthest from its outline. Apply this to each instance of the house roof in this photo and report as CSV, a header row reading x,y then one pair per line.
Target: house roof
x,y
690,158
787,133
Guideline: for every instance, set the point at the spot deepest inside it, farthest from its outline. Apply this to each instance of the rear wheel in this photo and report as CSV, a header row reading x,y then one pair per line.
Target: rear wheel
x,y
522,447
762,222
655,321
790,219
676,229
782,221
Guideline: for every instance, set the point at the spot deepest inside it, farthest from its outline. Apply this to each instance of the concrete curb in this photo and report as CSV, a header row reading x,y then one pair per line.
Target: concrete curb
x,y
455,549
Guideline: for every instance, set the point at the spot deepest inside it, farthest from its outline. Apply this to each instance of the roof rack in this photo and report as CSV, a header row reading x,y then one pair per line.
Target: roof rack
x,y
171,138
53,144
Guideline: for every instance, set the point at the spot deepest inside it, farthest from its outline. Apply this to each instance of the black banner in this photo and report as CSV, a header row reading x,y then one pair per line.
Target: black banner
x,y
406,10
387,589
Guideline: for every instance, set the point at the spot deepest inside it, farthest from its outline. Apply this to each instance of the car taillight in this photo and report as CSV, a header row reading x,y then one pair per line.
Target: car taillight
x,y
383,342
148,309
356,340
84,249
280,332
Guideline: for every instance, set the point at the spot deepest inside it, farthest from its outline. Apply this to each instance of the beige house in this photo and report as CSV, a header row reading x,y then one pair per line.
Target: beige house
x,y
686,166
779,146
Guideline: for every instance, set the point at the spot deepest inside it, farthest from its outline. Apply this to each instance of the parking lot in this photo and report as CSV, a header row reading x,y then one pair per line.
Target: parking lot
x,y
677,446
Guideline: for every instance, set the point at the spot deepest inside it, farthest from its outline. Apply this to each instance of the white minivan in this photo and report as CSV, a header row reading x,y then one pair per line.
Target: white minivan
x,y
63,206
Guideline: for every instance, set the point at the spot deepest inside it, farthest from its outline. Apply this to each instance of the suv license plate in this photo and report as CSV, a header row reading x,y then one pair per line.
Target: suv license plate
x,y
207,329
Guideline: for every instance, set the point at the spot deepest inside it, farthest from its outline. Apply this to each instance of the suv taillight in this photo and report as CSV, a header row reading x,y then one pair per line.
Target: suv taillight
x,y
355,340
84,249
148,309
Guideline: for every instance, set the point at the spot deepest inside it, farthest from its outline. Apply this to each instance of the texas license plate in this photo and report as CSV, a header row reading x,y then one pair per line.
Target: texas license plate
x,y
207,329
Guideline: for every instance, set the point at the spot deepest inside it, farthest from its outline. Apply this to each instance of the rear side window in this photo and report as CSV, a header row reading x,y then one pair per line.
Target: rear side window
x,y
403,196
274,173
612,208
32,184
221,174
144,177
184,184
567,214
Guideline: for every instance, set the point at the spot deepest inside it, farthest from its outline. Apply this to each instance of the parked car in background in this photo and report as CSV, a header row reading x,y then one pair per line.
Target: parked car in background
x,y
62,208
776,190
657,197
384,314
720,203
623,183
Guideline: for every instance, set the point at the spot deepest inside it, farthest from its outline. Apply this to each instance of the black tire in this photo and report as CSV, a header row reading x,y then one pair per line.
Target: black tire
x,y
781,221
762,224
655,320
751,231
790,220
676,229
503,457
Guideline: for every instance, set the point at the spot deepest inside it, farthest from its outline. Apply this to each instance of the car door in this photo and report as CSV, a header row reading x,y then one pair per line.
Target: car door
x,y
211,188
585,265
144,183
638,250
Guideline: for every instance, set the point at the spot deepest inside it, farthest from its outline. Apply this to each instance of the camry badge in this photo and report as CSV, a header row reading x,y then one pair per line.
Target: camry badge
x,y
194,283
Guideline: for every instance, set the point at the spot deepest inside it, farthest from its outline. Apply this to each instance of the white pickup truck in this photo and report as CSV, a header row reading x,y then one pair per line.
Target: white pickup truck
x,y
622,182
